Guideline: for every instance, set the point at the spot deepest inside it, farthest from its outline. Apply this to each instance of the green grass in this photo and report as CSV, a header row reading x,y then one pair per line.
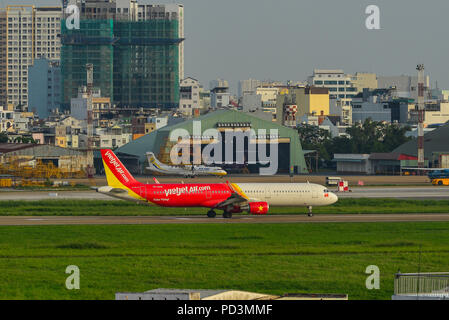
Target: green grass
x,y
270,258
111,208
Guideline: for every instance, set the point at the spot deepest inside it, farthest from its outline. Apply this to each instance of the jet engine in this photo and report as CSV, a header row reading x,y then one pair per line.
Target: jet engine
x,y
258,208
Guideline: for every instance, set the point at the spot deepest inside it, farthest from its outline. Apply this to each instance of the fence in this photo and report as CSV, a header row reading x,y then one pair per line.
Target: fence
x,y
422,284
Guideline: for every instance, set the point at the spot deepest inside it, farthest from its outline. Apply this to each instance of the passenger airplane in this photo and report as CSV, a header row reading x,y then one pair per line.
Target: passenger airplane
x,y
157,166
254,198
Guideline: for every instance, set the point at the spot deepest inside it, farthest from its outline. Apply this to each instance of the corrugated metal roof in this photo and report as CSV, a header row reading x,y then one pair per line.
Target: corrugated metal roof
x,y
41,150
10,147
434,141
154,140
385,156
203,292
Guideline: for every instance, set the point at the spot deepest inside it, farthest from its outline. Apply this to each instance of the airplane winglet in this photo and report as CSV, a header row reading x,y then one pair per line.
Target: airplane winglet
x,y
236,189
156,180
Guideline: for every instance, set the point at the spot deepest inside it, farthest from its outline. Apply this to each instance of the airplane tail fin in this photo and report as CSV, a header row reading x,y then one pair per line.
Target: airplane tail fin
x,y
153,161
116,173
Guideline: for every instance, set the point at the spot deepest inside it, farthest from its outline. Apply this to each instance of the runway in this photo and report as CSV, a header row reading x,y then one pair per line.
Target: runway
x,y
127,220
421,193
49,195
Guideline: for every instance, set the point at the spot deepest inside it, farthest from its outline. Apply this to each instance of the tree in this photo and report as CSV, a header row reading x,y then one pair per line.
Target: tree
x,y
22,139
368,137
371,136
3,137
314,138
394,136
312,135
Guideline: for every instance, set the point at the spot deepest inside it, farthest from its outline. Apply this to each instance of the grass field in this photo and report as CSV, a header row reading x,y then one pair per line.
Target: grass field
x,y
99,207
270,258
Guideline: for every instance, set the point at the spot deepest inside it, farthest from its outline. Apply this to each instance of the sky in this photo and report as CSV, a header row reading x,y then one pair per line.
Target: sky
x,y
286,39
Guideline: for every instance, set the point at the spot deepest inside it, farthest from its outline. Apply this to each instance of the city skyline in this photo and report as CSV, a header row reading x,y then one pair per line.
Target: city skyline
x,y
286,40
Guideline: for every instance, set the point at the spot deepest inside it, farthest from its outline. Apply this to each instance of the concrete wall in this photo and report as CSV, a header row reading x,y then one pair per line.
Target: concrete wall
x,y
317,103
434,117
365,80
251,102
375,111
267,94
43,87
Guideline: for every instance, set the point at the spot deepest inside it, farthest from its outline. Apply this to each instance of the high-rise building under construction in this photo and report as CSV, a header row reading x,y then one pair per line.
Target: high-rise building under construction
x,y
136,51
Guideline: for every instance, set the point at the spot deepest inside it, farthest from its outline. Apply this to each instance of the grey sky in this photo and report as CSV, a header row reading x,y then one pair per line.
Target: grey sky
x,y
287,39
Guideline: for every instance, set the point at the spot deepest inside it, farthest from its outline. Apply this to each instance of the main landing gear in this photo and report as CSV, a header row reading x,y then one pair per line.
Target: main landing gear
x,y
310,211
211,214
227,215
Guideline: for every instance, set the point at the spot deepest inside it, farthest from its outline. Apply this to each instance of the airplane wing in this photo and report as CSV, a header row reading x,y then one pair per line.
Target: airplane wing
x,y
106,189
237,196
234,198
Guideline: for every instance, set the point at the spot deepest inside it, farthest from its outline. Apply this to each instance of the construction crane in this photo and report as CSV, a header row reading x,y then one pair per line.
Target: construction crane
x,y
421,114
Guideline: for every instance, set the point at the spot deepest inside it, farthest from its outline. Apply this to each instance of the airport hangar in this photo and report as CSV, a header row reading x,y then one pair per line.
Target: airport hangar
x,y
436,155
24,154
290,153
436,147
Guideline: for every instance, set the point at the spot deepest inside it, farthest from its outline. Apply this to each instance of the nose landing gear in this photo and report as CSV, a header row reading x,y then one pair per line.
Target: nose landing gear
x,y
310,214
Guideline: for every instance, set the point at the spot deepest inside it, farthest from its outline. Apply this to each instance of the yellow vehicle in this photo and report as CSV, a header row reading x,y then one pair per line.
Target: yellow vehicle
x,y
440,182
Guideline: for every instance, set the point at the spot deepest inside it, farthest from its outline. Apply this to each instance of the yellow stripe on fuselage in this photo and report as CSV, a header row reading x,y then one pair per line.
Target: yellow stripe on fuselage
x,y
239,190
218,173
115,183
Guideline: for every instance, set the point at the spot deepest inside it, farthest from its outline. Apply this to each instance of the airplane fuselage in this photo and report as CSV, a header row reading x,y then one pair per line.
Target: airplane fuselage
x,y
254,198
200,171
209,195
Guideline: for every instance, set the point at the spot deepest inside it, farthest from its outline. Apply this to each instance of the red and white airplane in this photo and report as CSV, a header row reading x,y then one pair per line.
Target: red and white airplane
x,y
254,198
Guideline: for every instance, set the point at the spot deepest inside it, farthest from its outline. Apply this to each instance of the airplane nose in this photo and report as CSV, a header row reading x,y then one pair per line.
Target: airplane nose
x,y
333,198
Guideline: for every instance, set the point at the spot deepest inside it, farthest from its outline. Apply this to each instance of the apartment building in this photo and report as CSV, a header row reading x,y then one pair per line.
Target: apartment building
x,y
219,93
101,106
248,87
26,33
405,86
44,87
189,97
339,84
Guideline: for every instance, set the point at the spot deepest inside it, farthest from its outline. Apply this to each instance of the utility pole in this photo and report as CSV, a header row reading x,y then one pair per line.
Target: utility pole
x,y
90,128
421,114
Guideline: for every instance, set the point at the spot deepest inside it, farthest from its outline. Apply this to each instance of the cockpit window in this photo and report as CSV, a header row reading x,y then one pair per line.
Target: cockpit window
x,y
326,191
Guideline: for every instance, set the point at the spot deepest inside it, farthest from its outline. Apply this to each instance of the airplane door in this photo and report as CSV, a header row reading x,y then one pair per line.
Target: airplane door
x,y
143,192
314,194
268,193
208,194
